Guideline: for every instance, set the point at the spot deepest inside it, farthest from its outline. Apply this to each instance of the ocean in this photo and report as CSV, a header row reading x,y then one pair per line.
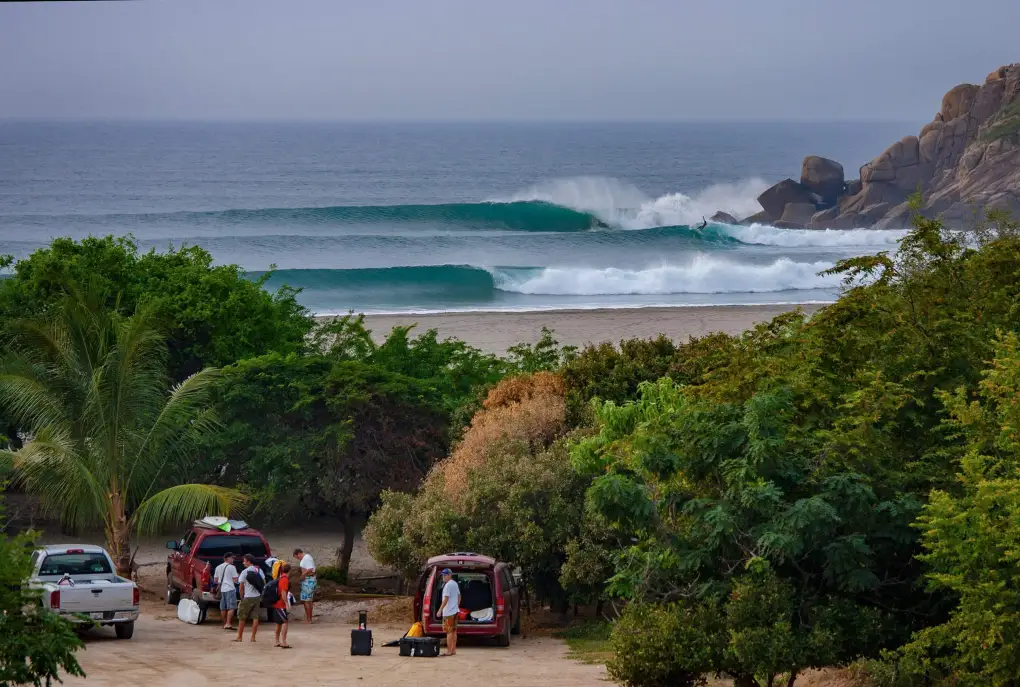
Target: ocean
x,y
394,218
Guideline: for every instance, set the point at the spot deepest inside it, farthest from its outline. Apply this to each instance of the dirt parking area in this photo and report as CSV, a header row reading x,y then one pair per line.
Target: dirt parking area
x,y
165,651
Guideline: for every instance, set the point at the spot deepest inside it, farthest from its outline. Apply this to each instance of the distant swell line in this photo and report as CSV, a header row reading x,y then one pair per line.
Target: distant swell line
x,y
513,216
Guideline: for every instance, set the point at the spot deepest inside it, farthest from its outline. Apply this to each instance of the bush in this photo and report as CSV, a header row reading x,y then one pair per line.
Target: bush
x,y
672,645
332,573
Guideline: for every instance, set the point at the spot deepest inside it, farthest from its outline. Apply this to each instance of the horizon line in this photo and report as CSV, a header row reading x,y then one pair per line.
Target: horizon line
x,y
567,121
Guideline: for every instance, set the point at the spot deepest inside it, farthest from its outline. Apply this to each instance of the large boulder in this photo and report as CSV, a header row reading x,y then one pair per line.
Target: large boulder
x,y
775,199
824,177
786,224
798,213
723,218
758,218
957,101
853,187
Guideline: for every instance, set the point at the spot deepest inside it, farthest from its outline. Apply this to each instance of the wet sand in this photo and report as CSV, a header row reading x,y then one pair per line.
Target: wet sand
x,y
494,332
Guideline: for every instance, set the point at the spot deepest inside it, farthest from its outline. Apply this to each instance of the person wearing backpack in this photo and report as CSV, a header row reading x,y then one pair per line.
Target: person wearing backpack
x,y
276,596
250,584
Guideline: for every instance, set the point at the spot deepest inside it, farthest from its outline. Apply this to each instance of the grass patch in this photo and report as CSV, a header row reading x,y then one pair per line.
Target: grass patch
x,y
588,642
1007,122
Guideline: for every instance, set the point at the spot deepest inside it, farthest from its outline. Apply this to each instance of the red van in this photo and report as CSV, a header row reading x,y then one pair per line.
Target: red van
x,y
490,600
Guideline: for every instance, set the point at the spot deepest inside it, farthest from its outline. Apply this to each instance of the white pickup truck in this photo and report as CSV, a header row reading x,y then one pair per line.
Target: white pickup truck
x,y
80,583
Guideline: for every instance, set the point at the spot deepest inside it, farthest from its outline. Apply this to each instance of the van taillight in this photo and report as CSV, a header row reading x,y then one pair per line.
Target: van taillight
x,y
500,606
136,596
55,600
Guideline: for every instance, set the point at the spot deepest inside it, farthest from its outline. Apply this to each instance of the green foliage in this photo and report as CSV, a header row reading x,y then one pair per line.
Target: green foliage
x,y
36,646
109,438
972,540
332,573
211,315
1005,124
522,507
544,355
666,645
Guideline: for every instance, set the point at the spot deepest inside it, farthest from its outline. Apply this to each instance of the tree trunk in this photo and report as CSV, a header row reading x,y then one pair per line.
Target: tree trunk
x,y
598,608
348,547
792,679
118,536
744,681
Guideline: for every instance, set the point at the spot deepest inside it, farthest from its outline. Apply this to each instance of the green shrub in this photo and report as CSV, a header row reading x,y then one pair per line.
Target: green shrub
x,y
672,645
331,573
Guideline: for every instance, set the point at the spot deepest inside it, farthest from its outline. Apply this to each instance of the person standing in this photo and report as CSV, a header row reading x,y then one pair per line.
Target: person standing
x,y
449,609
308,582
281,609
225,577
251,582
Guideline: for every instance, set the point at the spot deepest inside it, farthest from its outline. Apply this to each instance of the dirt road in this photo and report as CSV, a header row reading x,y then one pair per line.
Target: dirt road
x,y
165,651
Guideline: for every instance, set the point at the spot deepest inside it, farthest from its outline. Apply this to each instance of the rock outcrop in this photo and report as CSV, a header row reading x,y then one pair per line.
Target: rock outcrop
x,y
823,177
964,162
723,218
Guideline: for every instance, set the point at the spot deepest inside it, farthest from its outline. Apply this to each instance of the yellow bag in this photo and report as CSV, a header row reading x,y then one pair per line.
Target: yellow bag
x,y
416,631
277,566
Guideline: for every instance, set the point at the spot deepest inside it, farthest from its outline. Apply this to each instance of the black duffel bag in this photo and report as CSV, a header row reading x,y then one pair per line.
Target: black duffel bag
x,y
419,646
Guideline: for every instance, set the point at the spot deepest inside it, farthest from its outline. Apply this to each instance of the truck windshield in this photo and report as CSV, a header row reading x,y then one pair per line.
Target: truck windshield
x,y
75,564
214,546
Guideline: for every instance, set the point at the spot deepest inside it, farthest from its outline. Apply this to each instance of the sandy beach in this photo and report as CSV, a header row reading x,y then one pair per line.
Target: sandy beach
x,y
494,332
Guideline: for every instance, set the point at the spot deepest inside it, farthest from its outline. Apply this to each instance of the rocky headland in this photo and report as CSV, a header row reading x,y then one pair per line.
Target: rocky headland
x,y
964,162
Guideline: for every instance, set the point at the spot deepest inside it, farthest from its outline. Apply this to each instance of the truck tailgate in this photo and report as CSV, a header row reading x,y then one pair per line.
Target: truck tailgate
x,y
96,595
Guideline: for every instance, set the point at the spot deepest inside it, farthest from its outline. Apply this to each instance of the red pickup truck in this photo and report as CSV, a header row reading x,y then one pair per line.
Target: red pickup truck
x,y
189,569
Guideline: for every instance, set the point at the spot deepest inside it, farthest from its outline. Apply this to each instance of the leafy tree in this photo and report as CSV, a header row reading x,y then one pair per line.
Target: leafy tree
x,y
311,435
36,645
972,541
507,490
108,437
707,490
211,315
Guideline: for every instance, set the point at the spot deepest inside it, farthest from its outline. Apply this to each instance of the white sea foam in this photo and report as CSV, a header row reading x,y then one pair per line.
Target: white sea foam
x,y
704,274
624,206
772,236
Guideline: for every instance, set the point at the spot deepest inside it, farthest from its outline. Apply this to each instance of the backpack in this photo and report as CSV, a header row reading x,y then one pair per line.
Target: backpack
x,y
271,593
255,579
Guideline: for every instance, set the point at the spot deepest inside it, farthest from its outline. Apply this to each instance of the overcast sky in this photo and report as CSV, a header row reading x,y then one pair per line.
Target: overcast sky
x,y
488,59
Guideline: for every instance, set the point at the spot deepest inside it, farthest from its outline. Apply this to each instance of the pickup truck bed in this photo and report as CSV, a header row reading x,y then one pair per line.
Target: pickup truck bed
x,y
79,583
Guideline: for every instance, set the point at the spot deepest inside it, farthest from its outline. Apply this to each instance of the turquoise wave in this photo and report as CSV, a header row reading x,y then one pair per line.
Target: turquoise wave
x,y
516,216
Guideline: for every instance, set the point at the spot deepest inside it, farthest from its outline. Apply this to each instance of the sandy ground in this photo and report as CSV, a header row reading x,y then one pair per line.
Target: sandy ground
x,y
494,332
165,651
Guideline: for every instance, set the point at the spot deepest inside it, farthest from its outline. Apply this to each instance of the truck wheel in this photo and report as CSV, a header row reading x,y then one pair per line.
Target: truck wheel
x,y
124,630
504,639
173,594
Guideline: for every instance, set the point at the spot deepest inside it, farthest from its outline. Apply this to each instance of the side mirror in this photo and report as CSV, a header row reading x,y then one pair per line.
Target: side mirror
x,y
172,545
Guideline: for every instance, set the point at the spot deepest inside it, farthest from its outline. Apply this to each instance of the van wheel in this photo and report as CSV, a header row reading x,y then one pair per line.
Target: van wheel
x,y
504,639
124,630
173,594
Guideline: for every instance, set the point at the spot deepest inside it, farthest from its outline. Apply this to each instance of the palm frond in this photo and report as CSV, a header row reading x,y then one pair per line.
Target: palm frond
x,y
183,503
174,433
52,466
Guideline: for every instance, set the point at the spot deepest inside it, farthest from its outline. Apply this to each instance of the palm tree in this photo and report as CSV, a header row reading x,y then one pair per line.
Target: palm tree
x,y
106,438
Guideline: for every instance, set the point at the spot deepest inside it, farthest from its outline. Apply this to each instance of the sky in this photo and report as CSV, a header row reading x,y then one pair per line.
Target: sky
x,y
455,60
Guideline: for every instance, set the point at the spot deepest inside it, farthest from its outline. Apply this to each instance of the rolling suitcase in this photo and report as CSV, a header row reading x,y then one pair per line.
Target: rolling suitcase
x,y
361,642
419,646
